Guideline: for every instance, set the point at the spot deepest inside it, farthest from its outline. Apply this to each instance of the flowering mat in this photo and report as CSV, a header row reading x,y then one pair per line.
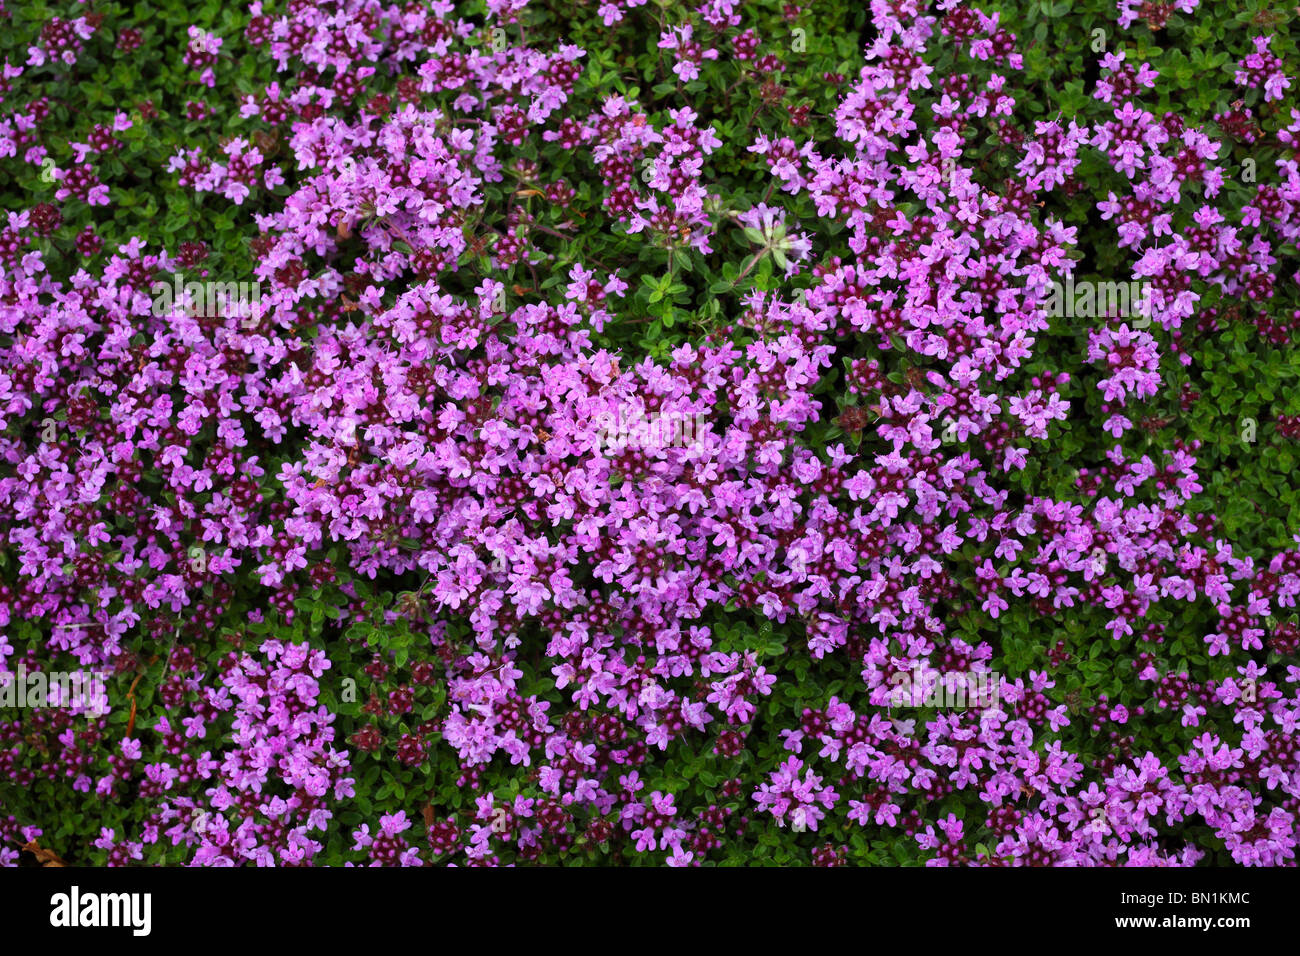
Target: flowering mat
x,y
642,432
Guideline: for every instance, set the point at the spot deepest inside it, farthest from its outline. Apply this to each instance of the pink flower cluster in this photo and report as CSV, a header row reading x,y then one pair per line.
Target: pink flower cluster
x,y
378,413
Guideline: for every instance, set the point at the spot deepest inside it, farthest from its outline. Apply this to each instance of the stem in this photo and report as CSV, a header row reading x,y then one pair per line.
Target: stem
x,y
749,268
559,235
659,69
732,88
549,231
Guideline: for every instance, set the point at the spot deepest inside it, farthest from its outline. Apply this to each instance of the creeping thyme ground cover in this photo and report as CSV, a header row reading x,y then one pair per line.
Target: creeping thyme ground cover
x,y
383,564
